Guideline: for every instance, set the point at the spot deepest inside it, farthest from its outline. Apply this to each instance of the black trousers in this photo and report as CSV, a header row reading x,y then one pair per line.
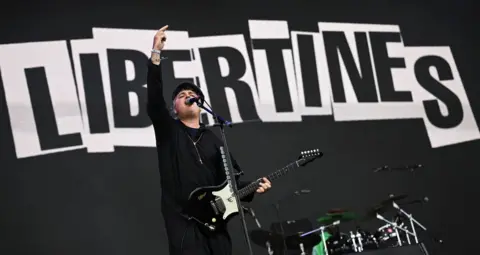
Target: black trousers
x,y
198,241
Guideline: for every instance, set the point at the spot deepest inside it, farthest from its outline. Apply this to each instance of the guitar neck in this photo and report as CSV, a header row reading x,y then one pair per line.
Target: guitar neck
x,y
252,187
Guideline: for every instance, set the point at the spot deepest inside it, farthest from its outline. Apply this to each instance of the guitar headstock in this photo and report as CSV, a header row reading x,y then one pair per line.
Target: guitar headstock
x,y
309,156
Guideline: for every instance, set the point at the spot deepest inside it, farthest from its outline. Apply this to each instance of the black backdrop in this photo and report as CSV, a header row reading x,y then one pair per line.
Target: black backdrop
x,y
76,202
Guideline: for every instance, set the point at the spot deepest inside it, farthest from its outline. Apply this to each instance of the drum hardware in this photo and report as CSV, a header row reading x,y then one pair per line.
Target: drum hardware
x,y
382,207
269,248
371,241
395,227
396,232
354,242
267,239
322,231
299,242
413,221
388,236
302,250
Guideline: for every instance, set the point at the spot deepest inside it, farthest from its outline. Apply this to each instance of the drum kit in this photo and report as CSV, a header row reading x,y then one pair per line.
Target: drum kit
x,y
327,239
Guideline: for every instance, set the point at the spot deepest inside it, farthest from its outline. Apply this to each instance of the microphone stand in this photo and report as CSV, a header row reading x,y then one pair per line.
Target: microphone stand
x,y
282,231
221,123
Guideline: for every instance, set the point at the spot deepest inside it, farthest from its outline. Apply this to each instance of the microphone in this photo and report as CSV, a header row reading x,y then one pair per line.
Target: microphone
x,y
410,168
252,212
301,192
191,100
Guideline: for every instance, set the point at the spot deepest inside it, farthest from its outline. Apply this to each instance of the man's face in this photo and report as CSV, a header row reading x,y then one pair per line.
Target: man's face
x,y
183,110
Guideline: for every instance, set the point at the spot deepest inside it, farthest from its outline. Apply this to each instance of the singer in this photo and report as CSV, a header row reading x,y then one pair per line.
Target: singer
x,y
188,158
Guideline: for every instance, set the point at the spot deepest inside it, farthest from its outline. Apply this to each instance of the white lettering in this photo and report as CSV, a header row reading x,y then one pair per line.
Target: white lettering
x,y
95,142
437,96
234,41
261,29
53,57
353,110
135,40
322,71
467,130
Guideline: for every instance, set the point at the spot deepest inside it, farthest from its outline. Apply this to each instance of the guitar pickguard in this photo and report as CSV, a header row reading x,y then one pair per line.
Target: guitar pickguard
x,y
228,200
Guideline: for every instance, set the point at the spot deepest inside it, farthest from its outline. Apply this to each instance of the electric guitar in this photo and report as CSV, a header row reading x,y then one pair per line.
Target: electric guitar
x,y
214,206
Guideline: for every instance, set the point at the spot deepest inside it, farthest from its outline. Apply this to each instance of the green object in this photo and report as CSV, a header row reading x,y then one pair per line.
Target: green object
x,y
319,249
332,217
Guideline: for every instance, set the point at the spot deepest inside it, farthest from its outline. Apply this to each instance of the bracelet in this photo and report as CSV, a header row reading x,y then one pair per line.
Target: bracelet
x,y
156,51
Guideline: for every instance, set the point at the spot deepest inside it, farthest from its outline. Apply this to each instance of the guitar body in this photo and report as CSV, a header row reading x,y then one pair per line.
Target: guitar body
x,y
212,206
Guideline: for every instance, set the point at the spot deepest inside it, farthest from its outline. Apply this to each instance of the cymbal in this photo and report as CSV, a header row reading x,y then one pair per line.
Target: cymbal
x,y
261,236
383,206
337,210
309,241
332,217
393,198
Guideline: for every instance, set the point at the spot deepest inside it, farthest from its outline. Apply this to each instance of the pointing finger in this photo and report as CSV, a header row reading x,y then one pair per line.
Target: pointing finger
x,y
164,28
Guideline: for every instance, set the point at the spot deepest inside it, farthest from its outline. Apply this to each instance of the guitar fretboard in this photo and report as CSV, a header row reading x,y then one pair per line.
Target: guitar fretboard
x,y
252,187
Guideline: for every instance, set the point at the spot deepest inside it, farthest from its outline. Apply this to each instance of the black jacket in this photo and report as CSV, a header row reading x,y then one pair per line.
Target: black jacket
x,y
180,168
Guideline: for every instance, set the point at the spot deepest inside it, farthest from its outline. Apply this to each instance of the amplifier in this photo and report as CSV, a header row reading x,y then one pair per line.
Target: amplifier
x,y
414,249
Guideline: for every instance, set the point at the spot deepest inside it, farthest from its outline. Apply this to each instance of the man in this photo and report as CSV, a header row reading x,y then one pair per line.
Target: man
x,y
189,158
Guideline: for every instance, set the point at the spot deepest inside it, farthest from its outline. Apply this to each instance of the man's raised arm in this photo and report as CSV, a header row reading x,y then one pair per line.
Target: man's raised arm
x,y
156,106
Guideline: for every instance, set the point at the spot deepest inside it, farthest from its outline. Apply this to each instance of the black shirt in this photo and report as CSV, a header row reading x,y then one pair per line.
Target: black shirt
x,y
192,132
184,166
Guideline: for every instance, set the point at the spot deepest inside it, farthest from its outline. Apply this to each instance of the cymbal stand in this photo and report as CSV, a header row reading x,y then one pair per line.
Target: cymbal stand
x,y
322,230
354,242
407,235
412,221
357,237
269,247
400,223
302,250
396,227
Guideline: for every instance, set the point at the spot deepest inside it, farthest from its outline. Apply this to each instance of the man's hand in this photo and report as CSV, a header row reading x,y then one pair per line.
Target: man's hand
x,y
264,185
158,44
